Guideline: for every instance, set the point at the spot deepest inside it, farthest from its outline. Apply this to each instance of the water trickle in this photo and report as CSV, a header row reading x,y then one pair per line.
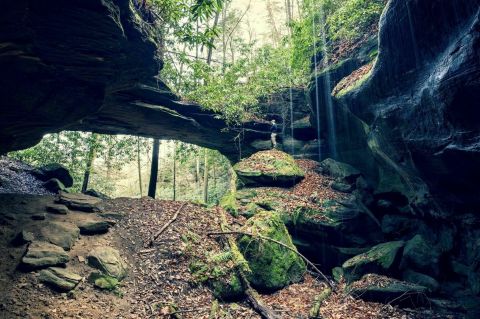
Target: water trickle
x,y
327,88
291,118
317,104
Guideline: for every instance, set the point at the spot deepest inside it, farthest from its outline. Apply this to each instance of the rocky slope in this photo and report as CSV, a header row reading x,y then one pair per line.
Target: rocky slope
x,y
92,66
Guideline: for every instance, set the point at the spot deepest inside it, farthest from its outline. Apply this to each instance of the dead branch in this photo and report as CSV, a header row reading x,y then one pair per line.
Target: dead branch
x,y
226,233
154,237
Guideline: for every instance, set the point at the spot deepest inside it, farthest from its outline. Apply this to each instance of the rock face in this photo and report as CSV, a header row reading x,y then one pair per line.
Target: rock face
x,y
42,254
415,111
273,266
91,66
108,261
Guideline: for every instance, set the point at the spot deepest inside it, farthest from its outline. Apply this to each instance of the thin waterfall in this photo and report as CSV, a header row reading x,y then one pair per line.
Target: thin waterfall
x,y
317,104
327,87
332,138
291,118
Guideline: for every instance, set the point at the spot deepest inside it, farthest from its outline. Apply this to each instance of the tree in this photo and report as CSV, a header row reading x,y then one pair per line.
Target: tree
x,y
90,159
139,167
152,186
205,178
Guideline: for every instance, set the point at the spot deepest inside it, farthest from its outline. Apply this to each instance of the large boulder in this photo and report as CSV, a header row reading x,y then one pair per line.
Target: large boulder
x,y
42,254
61,234
273,266
60,278
379,259
108,261
54,171
274,168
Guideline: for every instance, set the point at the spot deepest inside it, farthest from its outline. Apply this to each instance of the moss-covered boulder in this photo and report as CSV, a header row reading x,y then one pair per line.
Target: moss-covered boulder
x,y
379,259
273,266
269,168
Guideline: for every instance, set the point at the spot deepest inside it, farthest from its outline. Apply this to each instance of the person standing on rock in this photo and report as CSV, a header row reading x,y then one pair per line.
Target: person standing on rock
x,y
273,135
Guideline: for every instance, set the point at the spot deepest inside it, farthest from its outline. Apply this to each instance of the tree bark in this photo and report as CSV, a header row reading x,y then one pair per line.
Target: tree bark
x,y
210,49
152,185
205,179
139,167
174,171
90,158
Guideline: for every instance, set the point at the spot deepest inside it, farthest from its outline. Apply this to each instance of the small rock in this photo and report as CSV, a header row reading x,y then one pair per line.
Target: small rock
x,y
93,227
57,209
59,278
39,216
81,259
42,254
108,260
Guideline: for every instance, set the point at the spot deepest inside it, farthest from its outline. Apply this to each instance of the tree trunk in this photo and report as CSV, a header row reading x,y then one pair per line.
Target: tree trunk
x,y
174,171
90,158
139,167
205,179
152,185
210,49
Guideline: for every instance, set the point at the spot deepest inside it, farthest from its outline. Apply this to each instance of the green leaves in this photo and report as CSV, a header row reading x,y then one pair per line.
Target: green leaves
x,y
205,9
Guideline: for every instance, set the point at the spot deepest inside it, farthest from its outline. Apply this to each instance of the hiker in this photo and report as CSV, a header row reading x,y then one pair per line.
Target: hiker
x,y
273,135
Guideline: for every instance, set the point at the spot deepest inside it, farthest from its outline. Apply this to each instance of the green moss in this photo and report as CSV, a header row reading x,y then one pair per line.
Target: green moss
x,y
272,265
217,272
104,282
227,288
229,203
246,194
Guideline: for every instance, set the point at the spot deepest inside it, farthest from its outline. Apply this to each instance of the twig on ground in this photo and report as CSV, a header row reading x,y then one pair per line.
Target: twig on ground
x,y
154,237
